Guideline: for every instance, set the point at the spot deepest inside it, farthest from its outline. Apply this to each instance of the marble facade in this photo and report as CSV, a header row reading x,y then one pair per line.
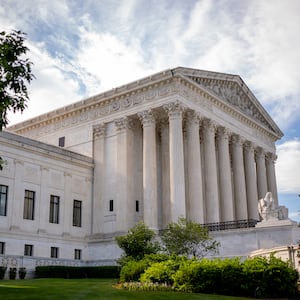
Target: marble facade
x,y
182,142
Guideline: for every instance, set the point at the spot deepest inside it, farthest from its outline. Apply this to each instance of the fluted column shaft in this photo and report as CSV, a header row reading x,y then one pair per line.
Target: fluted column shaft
x,y
226,196
250,176
177,182
261,173
210,167
149,169
271,176
239,179
98,155
165,161
195,192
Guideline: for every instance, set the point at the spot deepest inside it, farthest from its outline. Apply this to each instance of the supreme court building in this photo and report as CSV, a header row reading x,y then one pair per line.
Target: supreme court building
x,y
182,142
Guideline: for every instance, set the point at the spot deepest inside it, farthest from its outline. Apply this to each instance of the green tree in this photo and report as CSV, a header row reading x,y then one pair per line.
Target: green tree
x,y
188,238
139,241
15,72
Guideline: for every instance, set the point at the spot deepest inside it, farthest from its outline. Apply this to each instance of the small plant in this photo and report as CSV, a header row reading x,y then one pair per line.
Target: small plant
x,y
22,273
12,273
2,272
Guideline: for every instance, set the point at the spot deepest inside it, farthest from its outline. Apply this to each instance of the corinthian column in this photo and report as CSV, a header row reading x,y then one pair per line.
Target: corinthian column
x,y
226,196
239,183
165,169
250,175
210,167
98,155
149,169
177,182
195,211
271,177
261,173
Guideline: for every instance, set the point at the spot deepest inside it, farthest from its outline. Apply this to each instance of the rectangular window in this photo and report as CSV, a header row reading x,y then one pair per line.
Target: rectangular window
x,y
2,248
137,205
77,207
61,141
54,252
54,209
3,199
28,250
111,205
77,254
29,205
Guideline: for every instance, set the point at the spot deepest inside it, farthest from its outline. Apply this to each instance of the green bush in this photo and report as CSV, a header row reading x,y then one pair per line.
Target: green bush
x,y
77,272
132,270
162,272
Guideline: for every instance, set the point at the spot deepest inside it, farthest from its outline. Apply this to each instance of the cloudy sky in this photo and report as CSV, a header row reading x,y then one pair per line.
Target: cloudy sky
x,y
81,48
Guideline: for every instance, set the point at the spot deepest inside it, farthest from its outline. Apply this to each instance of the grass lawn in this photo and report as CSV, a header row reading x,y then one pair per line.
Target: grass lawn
x,y
69,289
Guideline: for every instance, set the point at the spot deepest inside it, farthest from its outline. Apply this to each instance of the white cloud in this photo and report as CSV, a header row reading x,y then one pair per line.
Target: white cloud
x,y
288,167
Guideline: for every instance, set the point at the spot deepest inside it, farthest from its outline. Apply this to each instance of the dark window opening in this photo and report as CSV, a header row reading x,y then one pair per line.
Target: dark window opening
x,y
137,205
3,199
111,205
61,141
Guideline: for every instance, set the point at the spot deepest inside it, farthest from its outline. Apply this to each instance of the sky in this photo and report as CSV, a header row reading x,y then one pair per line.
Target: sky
x,y
84,47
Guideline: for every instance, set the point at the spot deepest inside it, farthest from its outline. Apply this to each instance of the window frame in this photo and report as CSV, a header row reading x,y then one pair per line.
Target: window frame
x,y
54,251
54,209
28,250
77,254
29,205
3,200
77,213
2,248
61,141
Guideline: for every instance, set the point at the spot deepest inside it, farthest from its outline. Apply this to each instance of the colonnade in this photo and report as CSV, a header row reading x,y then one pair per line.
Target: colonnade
x,y
210,174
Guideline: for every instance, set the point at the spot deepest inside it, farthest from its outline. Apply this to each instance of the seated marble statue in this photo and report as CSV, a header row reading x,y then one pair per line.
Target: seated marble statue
x,y
268,210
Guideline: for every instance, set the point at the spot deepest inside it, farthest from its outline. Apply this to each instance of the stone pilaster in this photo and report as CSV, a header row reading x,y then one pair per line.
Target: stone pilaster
x,y
251,179
271,176
123,206
195,205
210,170
149,169
239,183
225,181
99,170
177,182
261,173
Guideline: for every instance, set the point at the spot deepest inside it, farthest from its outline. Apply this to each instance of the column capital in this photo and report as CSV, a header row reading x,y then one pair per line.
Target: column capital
x,y
223,132
147,117
209,125
237,140
259,152
174,109
249,146
271,157
124,123
99,130
192,117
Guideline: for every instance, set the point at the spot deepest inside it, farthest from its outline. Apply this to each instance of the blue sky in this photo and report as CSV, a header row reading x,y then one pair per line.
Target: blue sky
x,y
82,48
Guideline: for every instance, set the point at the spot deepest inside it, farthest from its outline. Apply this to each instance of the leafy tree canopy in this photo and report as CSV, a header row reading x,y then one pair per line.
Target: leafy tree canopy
x,y
15,72
188,238
139,241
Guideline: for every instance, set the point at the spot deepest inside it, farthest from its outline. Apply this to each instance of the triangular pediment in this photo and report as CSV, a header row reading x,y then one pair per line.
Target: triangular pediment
x,y
232,90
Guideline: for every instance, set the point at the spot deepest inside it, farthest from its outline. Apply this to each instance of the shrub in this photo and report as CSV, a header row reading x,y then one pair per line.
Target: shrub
x,y
133,270
12,273
162,272
22,273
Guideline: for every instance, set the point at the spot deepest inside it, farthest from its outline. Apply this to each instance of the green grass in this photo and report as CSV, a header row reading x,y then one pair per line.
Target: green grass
x,y
87,289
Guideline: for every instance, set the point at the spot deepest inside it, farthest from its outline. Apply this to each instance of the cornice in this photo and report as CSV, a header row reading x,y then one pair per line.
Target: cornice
x,y
164,84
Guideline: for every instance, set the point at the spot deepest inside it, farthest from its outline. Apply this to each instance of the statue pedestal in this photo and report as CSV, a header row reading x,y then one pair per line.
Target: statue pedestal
x,y
275,222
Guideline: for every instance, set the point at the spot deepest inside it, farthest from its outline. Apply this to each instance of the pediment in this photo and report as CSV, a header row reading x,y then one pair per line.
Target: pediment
x,y
232,90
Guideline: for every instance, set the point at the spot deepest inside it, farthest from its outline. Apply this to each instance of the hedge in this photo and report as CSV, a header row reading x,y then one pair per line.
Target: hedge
x,y
77,272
